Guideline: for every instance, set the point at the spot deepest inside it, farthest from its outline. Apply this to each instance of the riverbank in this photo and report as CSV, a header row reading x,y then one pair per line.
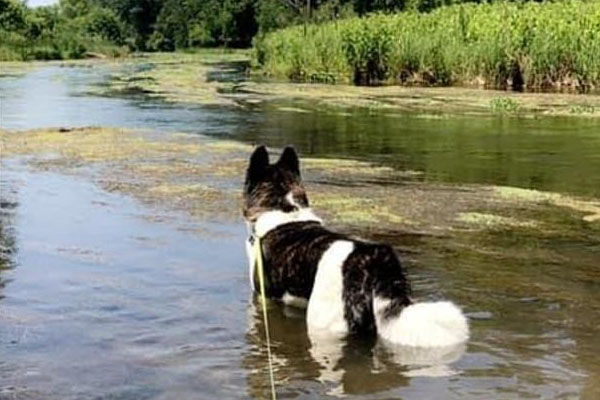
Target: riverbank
x,y
221,78
501,45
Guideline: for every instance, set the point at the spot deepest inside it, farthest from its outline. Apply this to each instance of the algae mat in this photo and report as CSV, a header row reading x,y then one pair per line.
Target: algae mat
x,y
203,177
225,79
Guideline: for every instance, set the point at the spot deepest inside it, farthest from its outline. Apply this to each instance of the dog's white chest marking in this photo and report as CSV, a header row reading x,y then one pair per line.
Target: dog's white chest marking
x,y
326,305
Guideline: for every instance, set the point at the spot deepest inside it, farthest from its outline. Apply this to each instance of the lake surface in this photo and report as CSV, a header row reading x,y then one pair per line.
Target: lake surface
x,y
98,300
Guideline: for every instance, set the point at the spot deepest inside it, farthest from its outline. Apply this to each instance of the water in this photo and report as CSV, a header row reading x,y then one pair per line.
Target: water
x,y
98,300
101,302
554,154
60,97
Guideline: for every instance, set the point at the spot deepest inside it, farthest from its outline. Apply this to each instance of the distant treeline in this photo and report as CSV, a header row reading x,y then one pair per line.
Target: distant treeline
x,y
73,28
518,45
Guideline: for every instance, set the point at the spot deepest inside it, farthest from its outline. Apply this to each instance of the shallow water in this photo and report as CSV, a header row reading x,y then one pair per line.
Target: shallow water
x,y
554,154
99,300
56,96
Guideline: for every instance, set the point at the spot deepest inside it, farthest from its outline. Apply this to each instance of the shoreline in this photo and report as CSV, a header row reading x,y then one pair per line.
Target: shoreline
x,y
218,80
216,77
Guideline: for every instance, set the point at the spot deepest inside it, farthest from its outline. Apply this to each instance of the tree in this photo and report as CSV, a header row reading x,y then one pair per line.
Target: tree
x,y
71,9
139,16
104,23
12,15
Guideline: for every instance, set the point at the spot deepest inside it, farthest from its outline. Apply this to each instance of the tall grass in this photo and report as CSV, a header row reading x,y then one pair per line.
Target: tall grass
x,y
532,45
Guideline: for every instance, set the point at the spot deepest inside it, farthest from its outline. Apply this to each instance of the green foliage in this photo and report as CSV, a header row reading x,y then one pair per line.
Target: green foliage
x,y
103,23
503,44
72,29
188,23
500,44
275,14
75,8
12,15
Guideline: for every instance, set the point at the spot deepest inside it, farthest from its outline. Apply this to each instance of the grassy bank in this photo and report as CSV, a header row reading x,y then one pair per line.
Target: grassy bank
x,y
531,45
217,77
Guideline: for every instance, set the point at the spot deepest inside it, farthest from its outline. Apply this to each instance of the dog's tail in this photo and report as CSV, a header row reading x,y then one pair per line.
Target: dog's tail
x,y
433,324
400,321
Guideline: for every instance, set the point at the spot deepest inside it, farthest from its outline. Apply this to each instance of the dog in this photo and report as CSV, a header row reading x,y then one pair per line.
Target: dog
x,y
348,286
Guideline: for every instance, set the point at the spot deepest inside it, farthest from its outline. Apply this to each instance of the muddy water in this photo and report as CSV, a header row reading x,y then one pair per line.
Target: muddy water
x,y
101,297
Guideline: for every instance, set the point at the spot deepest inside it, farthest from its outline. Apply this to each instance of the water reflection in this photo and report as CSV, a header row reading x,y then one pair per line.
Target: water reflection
x,y
553,154
105,303
64,97
8,243
332,366
540,293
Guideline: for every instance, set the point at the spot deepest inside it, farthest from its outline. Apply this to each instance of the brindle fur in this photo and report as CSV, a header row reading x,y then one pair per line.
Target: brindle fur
x,y
291,252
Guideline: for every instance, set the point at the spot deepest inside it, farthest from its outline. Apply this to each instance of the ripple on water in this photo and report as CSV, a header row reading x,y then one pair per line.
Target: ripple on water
x,y
101,297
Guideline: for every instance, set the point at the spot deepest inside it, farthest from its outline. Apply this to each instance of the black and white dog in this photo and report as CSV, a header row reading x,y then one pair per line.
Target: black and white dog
x,y
349,286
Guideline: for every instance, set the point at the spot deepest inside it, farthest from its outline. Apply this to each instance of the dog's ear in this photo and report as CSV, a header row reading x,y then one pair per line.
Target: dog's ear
x,y
259,161
289,160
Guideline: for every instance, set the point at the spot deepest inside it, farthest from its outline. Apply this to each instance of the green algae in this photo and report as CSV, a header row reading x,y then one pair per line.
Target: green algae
x,y
204,177
217,78
492,221
589,208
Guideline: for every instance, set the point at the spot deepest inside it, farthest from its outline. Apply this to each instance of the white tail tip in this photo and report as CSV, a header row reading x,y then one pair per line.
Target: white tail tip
x,y
426,325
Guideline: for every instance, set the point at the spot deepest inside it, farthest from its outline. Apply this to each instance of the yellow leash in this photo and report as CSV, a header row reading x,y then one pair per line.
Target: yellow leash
x,y
263,299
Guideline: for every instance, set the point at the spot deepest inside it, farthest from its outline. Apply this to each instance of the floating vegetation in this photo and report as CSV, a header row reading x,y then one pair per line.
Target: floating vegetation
x,y
590,209
11,69
431,102
583,109
203,177
493,221
181,77
205,78
345,166
359,211
504,105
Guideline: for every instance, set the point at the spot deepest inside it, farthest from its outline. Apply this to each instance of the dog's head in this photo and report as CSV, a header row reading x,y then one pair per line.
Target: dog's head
x,y
273,187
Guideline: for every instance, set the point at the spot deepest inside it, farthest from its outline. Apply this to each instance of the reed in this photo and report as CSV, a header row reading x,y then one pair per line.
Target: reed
x,y
501,44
